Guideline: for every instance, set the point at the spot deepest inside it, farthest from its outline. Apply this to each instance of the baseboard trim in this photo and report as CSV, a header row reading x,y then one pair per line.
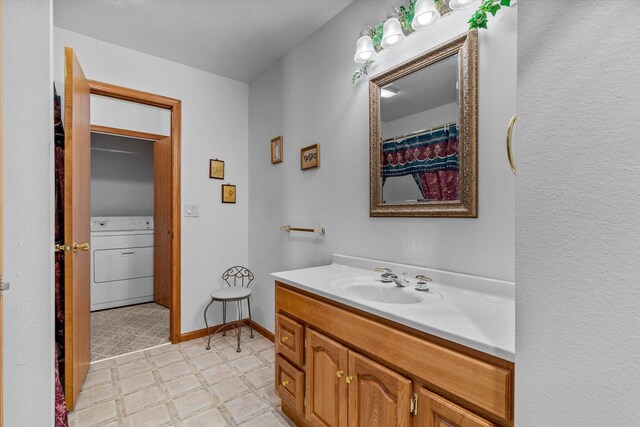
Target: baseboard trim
x,y
199,333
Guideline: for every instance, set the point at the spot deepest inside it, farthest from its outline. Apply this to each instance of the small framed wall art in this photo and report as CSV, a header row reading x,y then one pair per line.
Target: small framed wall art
x,y
228,193
276,150
310,157
216,169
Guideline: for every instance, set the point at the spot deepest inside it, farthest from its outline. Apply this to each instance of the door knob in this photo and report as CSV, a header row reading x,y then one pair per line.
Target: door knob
x,y
349,379
339,374
82,246
285,383
285,339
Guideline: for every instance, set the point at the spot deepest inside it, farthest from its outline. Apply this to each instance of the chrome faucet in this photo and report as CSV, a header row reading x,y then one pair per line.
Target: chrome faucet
x,y
388,276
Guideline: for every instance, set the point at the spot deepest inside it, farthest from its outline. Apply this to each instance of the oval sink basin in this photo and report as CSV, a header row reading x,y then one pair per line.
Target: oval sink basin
x,y
393,295
372,289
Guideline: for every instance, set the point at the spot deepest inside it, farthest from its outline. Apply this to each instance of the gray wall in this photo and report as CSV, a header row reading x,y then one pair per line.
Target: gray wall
x,y
308,98
121,183
27,169
578,228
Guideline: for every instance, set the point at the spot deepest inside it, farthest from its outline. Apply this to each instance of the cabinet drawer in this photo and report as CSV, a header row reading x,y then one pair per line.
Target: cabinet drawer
x,y
290,339
290,384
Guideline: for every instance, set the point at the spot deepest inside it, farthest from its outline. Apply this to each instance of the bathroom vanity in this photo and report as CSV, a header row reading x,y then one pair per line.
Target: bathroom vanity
x,y
354,351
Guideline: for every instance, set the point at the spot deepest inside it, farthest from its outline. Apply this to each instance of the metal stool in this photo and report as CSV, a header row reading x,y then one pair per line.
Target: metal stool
x,y
243,277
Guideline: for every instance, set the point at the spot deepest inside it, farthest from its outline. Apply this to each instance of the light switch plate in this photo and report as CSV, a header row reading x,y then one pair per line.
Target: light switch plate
x,y
192,210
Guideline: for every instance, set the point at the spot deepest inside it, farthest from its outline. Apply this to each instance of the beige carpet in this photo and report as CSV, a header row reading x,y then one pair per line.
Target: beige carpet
x,y
125,329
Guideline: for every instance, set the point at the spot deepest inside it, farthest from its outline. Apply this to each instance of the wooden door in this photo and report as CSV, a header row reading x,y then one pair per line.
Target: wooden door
x,y
378,397
162,217
436,411
327,363
77,179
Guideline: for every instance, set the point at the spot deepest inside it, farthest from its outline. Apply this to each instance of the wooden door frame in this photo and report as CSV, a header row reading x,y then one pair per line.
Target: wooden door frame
x,y
175,107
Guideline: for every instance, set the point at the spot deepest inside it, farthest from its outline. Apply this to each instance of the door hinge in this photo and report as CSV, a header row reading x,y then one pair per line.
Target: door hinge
x,y
4,286
413,406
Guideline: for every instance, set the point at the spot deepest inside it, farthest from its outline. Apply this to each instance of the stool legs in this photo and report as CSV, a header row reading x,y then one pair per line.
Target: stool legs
x,y
207,324
224,317
250,321
239,325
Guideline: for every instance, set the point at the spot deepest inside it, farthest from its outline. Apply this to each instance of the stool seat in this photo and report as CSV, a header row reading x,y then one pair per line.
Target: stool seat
x,y
230,294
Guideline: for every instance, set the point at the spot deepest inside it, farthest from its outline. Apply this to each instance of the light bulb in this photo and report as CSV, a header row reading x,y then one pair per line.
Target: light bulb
x,y
364,50
392,33
426,14
460,4
388,92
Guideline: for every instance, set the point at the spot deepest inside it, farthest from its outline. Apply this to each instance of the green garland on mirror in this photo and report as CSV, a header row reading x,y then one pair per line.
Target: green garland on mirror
x,y
406,13
481,17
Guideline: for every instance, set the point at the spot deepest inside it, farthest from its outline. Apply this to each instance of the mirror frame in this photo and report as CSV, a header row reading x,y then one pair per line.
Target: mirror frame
x,y
466,46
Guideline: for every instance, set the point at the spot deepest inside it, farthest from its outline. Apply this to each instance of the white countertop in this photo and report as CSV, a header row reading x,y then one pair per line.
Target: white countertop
x,y
476,312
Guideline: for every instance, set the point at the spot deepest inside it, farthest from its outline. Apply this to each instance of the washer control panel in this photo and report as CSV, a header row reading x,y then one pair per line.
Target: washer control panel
x,y
121,223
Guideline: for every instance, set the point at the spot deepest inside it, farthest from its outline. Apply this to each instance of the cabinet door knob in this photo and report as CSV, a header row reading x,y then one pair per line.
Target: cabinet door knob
x,y
339,374
349,379
285,383
284,339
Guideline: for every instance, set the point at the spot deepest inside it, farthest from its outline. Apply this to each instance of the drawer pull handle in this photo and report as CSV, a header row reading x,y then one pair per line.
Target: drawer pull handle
x,y
339,374
285,339
285,383
349,379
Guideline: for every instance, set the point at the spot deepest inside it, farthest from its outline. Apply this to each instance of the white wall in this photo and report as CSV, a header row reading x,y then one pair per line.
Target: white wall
x,y
308,98
121,114
214,124
122,178
578,228
27,169
423,120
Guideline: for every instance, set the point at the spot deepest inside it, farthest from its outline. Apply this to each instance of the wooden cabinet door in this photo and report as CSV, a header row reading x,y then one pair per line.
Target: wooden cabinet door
x,y
378,397
327,363
436,411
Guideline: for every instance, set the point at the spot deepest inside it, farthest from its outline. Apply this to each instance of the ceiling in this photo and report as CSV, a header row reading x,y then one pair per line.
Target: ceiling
x,y
238,39
425,89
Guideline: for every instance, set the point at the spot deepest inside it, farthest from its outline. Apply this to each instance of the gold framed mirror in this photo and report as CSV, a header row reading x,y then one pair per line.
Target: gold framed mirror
x,y
423,135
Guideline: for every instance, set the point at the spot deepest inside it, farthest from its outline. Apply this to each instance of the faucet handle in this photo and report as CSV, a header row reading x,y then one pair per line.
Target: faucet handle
x,y
424,278
383,270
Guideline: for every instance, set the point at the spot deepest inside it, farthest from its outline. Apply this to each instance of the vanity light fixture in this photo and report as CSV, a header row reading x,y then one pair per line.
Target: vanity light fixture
x,y
392,34
388,91
364,47
426,14
460,4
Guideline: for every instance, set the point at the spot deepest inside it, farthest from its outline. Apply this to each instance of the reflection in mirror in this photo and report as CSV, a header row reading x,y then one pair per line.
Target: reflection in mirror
x,y
418,124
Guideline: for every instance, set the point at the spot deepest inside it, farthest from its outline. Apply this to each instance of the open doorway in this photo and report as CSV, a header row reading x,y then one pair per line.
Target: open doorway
x,y
129,304
77,214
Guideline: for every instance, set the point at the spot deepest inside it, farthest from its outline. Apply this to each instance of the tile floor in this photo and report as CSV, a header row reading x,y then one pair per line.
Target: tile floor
x,y
126,329
184,385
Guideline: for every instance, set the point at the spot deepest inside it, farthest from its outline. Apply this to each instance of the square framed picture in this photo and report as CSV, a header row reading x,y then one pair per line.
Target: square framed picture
x,y
228,193
276,150
310,157
216,169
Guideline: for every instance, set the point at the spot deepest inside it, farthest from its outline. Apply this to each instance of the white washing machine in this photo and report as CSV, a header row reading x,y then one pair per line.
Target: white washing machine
x,y
121,261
